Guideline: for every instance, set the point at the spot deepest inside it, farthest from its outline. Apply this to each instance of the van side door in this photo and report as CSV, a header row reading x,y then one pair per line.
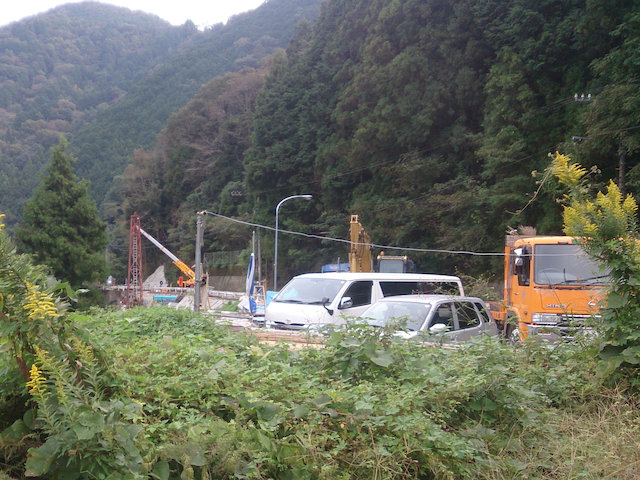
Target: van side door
x,y
355,299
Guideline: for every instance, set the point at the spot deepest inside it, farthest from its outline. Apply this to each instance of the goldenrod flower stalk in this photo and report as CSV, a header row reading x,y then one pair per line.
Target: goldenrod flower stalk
x,y
570,174
1,224
40,305
609,215
36,384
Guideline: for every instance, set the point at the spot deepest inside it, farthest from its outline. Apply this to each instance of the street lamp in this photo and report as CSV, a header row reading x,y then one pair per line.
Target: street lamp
x,y
275,255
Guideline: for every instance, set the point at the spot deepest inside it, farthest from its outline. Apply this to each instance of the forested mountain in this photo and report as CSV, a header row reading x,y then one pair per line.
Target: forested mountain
x,y
431,120
57,70
104,146
108,78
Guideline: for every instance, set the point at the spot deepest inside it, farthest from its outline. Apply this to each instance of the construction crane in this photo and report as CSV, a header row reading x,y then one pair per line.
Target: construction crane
x,y
183,267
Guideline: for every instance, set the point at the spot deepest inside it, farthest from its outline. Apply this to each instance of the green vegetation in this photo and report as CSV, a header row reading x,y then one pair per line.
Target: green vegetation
x,y
609,223
190,399
165,394
60,226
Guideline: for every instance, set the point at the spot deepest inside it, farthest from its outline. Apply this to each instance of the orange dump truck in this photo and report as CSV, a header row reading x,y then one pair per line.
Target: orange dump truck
x,y
551,287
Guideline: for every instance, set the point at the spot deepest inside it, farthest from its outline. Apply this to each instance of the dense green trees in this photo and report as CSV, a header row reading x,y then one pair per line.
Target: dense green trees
x,y
196,164
429,119
57,70
109,78
60,225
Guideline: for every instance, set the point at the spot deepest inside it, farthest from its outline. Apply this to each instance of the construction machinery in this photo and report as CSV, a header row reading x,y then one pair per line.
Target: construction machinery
x,y
134,278
360,253
183,267
360,259
395,264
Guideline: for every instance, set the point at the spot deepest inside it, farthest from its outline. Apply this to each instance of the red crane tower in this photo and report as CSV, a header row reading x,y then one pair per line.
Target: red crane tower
x,y
134,275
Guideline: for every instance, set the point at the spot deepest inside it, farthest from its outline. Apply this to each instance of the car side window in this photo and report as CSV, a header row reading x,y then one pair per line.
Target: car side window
x,y
485,316
444,315
360,293
390,288
467,315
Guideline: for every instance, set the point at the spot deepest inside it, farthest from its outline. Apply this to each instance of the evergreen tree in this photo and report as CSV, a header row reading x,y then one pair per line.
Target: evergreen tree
x,y
60,224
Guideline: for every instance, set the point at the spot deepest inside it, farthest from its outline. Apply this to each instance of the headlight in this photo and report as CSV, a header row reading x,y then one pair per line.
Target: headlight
x,y
546,318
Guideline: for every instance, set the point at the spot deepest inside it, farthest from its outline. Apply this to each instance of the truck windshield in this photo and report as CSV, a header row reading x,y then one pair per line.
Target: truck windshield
x,y
566,265
310,291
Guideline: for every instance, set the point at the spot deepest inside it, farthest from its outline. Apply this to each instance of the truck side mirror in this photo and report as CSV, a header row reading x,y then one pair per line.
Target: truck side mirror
x,y
521,263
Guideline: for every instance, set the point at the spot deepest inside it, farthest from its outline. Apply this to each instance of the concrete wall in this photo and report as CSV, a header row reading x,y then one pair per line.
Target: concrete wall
x,y
228,283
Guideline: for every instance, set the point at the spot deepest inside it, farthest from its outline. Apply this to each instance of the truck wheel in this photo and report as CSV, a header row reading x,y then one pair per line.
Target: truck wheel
x,y
513,334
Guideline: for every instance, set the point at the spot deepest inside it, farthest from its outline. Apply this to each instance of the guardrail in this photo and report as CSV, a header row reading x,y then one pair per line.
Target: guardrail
x,y
186,290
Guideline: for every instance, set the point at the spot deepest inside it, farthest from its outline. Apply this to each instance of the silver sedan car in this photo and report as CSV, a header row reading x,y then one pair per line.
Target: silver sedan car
x,y
450,318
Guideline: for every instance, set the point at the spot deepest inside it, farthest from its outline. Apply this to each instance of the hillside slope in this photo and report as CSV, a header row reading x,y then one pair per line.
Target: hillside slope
x,y
57,70
104,146
431,120
108,78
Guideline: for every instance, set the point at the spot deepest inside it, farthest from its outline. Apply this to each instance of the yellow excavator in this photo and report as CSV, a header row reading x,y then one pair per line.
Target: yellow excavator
x,y
360,259
360,252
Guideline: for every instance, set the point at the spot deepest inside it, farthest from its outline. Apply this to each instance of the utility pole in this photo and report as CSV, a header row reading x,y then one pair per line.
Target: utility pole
x,y
259,259
198,283
622,167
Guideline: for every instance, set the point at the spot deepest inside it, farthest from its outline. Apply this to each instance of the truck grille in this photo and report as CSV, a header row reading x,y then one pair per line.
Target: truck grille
x,y
563,327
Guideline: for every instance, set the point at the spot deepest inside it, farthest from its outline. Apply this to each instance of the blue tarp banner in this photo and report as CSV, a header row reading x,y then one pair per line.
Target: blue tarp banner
x,y
249,283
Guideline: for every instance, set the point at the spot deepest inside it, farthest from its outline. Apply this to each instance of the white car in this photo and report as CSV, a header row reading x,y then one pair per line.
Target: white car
x,y
313,300
455,318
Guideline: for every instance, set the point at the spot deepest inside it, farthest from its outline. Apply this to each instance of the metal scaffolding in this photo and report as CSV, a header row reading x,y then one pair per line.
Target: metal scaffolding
x,y
134,273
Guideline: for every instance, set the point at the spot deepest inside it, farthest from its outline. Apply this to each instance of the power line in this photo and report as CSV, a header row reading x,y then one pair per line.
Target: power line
x,y
341,240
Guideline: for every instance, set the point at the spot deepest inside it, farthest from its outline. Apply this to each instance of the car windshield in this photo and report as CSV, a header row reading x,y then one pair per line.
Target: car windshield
x,y
310,291
384,313
566,265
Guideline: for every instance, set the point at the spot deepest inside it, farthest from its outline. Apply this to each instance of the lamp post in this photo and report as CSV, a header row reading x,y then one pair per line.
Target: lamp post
x,y
275,255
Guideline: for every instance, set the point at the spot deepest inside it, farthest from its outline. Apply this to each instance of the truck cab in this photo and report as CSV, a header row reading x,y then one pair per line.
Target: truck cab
x,y
551,287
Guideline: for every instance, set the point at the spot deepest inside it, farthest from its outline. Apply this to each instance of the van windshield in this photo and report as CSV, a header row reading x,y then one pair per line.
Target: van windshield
x,y
310,291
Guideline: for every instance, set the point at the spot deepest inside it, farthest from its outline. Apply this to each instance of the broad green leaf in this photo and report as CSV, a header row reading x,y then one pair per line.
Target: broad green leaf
x,y
160,471
380,357
301,411
616,301
263,440
39,459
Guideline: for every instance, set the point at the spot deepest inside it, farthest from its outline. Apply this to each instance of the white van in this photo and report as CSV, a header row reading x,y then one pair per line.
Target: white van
x,y
315,299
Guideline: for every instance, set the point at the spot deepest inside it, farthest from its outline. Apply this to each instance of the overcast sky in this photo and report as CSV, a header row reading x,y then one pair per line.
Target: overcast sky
x,y
201,12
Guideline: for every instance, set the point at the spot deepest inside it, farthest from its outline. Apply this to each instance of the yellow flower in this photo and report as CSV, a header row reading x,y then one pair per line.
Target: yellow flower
x,y
39,305
37,382
1,224
568,173
630,206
